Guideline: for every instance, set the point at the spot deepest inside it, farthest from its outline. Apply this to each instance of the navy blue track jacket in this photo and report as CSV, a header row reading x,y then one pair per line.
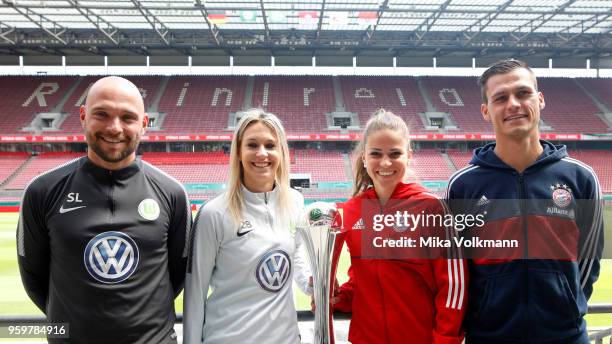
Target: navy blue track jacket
x,y
536,292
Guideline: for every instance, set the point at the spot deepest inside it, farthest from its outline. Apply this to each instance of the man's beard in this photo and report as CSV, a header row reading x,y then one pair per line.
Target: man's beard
x,y
132,144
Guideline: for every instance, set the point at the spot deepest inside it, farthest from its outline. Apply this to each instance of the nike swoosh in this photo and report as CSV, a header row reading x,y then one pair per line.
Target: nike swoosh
x,y
243,233
65,210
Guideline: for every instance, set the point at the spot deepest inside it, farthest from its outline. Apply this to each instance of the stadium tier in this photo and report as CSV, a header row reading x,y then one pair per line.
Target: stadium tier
x,y
204,104
322,166
192,168
599,87
38,165
600,162
24,97
365,94
568,107
203,168
301,102
148,85
460,97
10,162
429,164
195,104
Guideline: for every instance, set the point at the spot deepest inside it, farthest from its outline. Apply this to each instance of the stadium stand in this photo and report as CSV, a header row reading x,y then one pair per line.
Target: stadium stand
x,y
429,164
39,165
460,97
24,97
459,158
568,108
10,162
599,160
192,168
366,94
148,85
196,104
300,102
600,87
324,166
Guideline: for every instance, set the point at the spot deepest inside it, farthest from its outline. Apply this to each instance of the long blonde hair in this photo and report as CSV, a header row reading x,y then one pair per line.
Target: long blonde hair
x,y
381,119
235,195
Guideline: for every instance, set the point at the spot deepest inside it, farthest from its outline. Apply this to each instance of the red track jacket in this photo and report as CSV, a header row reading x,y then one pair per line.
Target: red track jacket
x,y
397,295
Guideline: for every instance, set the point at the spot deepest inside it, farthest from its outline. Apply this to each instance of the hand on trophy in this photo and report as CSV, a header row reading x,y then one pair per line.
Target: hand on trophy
x,y
323,246
333,300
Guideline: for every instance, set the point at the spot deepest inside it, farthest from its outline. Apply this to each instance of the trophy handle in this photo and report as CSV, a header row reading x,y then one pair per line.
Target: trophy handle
x,y
337,250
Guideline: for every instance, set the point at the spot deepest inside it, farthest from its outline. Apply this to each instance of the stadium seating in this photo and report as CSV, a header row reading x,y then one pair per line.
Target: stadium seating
x,y
196,104
148,85
38,165
461,98
181,158
327,166
300,102
429,164
460,158
25,96
568,108
366,94
600,87
599,160
192,168
202,104
323,166
10,162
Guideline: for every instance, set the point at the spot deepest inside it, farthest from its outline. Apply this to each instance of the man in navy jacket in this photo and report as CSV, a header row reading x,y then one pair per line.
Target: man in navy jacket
x,y
530,193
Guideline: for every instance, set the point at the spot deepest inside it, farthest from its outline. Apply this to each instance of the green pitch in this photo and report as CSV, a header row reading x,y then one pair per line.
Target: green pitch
x,y
14,301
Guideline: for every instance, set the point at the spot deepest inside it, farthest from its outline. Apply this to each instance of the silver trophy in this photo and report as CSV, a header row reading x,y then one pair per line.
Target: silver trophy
x,y
323,244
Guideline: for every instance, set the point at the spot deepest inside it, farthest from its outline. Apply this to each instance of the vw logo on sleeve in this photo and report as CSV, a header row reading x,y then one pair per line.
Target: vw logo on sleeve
x,y
111,257
273,270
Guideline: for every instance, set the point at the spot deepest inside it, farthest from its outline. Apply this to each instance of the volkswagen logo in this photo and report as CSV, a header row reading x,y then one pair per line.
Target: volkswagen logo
x,y
273,270
111,257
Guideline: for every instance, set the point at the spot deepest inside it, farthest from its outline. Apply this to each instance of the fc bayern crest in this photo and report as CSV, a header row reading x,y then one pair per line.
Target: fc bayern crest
x,y
273,270
111,257
561,196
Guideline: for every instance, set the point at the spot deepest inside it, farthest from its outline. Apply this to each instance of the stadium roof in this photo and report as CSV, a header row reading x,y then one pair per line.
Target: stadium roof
x,y
307,27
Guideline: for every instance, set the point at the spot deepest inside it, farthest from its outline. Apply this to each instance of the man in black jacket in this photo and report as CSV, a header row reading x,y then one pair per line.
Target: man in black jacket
x,y
102,240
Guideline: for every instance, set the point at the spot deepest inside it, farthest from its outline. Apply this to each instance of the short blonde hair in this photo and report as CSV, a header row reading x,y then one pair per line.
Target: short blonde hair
x,y
380,120
236,173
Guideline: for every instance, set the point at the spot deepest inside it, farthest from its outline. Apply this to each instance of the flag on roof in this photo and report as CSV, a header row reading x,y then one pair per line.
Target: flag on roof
x,y
217,17
248,16
367,18
308,17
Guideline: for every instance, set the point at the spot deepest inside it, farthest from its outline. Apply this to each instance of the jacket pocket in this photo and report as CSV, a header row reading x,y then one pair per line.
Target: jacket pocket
x,y
495,309
552,307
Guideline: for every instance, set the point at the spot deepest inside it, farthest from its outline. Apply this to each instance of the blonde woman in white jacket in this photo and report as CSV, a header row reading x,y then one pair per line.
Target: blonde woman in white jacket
x,y
244,246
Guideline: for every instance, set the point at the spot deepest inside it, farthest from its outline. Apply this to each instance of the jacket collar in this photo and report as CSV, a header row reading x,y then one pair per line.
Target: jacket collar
x,y
486,157
401,191
258,197
122,174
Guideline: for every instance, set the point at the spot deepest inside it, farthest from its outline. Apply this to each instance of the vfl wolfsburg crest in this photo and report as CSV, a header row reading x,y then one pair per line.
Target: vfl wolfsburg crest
x,y
111,257
148,209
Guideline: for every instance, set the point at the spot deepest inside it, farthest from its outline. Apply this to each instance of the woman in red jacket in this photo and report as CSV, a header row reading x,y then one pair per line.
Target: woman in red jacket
x,y
397,294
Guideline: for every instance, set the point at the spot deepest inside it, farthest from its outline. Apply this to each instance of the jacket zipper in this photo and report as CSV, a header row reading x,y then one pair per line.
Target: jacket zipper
x,y
522,195
382,294
270,220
